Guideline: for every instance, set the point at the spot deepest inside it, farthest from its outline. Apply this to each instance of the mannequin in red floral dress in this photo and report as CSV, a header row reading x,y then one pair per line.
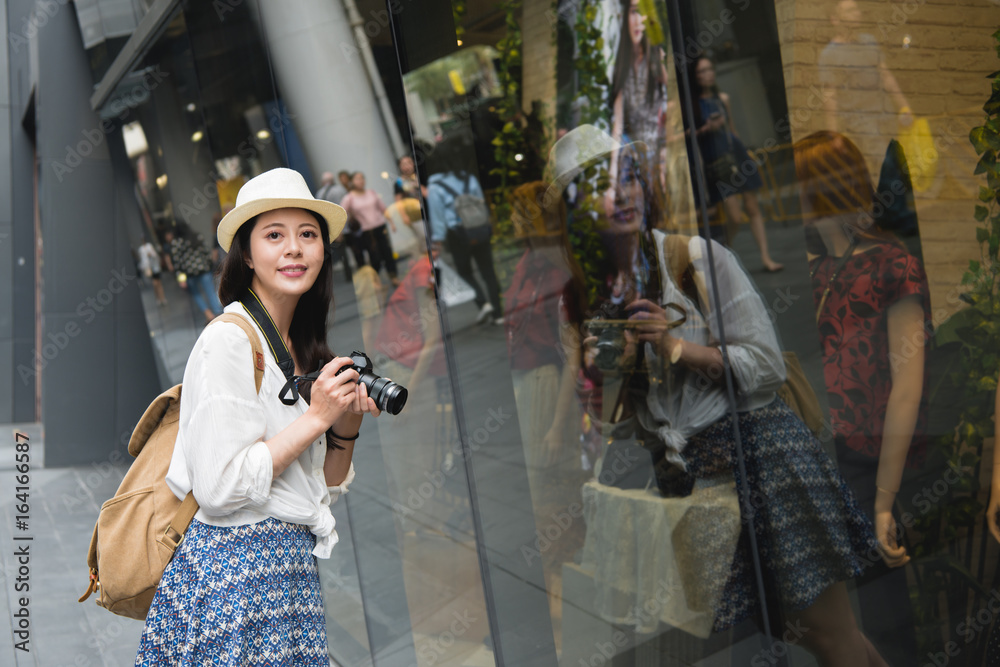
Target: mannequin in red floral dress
x,y
873,317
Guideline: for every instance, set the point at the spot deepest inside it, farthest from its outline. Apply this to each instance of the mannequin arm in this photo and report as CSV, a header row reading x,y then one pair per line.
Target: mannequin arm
x,y
570,340
994,506
906,347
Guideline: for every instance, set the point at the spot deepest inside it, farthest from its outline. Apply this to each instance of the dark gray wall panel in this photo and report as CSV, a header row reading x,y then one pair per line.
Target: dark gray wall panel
x,y
77,238
7,387
78,391
103,367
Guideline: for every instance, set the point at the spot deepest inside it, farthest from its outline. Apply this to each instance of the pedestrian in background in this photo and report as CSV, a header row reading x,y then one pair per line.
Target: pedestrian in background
x,y
367,207
331,191
453,186
406,186
186,255
149,264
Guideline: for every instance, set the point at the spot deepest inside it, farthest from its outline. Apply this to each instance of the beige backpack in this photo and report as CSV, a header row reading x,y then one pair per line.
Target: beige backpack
x,y
139,529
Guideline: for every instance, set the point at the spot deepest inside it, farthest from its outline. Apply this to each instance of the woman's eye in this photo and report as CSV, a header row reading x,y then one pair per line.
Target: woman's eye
x,y
309,234
273,235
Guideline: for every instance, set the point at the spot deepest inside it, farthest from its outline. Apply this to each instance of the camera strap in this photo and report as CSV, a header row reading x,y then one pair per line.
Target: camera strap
x,y
258,313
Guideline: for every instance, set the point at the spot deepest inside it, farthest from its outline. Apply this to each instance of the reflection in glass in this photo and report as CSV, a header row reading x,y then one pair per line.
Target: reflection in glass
x,y
428,488
873,315
651,313
731,174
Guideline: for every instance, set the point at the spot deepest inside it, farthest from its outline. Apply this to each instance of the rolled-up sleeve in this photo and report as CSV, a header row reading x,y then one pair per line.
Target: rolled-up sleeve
x,y
750,338
228,463
337,491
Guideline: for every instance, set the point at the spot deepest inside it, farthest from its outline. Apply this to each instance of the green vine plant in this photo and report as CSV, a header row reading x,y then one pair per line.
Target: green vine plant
x,y
458,14
950,563
593,105
508,143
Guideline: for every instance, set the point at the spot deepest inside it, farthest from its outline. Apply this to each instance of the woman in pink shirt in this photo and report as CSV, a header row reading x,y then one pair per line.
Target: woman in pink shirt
x,y
367,208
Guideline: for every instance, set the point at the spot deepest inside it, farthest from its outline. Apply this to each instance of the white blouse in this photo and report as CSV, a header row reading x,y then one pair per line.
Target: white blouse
x,y
680,402
220,451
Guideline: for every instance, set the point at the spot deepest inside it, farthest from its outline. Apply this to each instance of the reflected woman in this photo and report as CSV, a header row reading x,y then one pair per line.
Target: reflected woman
x,y
873,314
725,157
638,89
810,532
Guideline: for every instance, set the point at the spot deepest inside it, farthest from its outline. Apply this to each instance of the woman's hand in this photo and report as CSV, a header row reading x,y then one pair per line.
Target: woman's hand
x,y
336,392
363,403
892,552
651,326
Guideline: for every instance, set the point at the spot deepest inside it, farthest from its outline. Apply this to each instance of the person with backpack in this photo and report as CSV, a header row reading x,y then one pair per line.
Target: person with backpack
x,y
460,220
242,587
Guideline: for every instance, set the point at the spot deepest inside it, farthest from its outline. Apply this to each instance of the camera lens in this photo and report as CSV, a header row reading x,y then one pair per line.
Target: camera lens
x,y
388,396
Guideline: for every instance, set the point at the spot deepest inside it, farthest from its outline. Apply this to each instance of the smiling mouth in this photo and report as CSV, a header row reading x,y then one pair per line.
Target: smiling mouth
x,y
292,269
624,215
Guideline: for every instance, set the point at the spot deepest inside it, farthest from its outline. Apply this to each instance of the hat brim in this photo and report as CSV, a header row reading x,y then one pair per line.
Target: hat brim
x,y
335,216
561,181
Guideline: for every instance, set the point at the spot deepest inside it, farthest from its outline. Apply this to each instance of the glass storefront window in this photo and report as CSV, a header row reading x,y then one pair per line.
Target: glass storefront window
x,y
680,510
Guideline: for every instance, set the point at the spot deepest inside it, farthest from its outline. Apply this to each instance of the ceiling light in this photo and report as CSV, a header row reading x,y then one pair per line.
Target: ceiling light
x,y
197,136
161,181
263,134
191,107
460,42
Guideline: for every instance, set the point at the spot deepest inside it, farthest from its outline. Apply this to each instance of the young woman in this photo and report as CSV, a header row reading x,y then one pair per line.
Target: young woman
x,y
242,588
638,89
721,152
873,315
811,534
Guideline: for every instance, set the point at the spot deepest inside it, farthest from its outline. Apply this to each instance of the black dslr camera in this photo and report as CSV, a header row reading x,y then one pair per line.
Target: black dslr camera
x,y
610,332
388,396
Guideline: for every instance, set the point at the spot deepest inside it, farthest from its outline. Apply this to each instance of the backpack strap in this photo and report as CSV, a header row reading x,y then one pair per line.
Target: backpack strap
x,y
255,346
447,189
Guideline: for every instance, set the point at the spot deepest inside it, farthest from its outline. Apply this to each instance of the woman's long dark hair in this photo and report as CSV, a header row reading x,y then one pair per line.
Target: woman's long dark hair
x,y
696,89
589,258
308,328
623,62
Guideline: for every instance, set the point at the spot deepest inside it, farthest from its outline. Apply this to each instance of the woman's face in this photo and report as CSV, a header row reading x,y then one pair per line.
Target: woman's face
x,y
358,182
406,166
286,253
705,73
636,23
630,200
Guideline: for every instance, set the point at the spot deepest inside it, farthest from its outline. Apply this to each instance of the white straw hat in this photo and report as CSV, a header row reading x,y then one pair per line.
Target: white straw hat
x,y
274,189
575,151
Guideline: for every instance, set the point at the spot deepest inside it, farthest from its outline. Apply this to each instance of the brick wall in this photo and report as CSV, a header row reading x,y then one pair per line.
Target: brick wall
x,y
939,52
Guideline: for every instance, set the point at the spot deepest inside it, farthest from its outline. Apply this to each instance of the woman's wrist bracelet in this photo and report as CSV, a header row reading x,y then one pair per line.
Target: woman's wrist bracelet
x,y
340,437
885,490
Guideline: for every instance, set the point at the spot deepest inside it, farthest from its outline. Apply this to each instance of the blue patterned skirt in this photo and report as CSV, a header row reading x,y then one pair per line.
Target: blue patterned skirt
x,y
241,595
811,532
